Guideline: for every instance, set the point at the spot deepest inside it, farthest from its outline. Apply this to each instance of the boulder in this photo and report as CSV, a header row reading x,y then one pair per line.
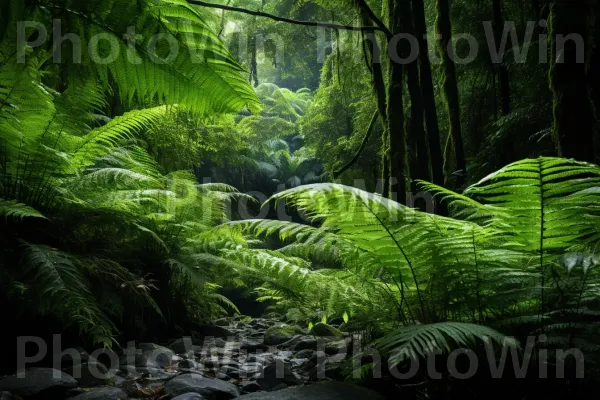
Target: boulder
x,y
306,353
204,331
90,374
250,387
281,333
189,396
182,346
276,374
253,345
319,391
8,396
44,382
211,389
323,330
156,357
102,394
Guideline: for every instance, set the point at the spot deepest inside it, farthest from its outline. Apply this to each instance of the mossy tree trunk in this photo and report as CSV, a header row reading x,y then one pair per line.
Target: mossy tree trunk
x,y
571,27
430,109
450,85
418,152
395,110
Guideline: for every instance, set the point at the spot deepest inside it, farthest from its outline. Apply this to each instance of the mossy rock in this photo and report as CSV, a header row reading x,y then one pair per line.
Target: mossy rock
x,y
323,330
281,333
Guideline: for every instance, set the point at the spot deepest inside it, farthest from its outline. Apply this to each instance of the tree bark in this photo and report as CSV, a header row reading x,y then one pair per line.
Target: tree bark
x,y
444,28
395,111
574,120
431,118
418,154
503,76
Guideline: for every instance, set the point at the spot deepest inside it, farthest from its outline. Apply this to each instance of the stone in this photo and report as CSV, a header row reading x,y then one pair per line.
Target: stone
x,y
6,396
211,389
275,374
306,353
102,394
159,357
90,374
205,330
46,382
323,330
319,391
338,347
253,345
189,396
191,364
250,387
281,333
182,345
300,342
223,322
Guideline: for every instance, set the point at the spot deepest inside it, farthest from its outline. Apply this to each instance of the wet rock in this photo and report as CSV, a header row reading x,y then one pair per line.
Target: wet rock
x,y
319,391
281,333
182,346
250,387
306,353
5,396
323,330
223,322
211,389
189,396
90,374
253,345
205,330
102,394
300,342
190,364
276,374
43,382
152,355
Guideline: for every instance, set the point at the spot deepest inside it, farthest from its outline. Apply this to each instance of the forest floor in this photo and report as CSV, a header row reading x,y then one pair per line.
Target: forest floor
x,y
232,357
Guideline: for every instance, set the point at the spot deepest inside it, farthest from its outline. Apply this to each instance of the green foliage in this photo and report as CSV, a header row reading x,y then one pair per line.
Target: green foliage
x,y
519,252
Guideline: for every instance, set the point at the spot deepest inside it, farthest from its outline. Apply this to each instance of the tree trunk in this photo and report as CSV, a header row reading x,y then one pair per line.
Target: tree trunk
x,y
415,128
431,118
574,120
502,70
444,27
395,111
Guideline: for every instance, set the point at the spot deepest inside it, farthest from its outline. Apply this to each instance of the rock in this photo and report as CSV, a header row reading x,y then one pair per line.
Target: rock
x,y
206,331
67,360
223,322
253,345
337,347
276,374
182,346
156,357
39,382
102,394
190,364
323,330
306,353
300,342
189,396
211,389
281,333
5,396
250,387
319,391
90,374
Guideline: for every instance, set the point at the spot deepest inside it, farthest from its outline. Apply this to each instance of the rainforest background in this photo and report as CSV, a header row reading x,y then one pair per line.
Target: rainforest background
x,y
132,177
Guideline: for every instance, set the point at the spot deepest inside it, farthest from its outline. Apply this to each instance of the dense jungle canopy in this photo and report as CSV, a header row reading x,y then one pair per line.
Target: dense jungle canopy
x,y
412,180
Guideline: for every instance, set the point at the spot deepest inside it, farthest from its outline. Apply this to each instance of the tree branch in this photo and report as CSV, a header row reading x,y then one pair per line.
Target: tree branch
x,y
287,20
369,12
337,173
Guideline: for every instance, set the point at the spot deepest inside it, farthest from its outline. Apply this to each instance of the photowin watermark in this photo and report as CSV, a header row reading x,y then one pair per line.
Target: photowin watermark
x,y
108,47
219,355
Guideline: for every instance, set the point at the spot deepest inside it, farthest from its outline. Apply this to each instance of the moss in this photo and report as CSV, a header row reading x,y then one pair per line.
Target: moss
x,y
281,333
324,330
